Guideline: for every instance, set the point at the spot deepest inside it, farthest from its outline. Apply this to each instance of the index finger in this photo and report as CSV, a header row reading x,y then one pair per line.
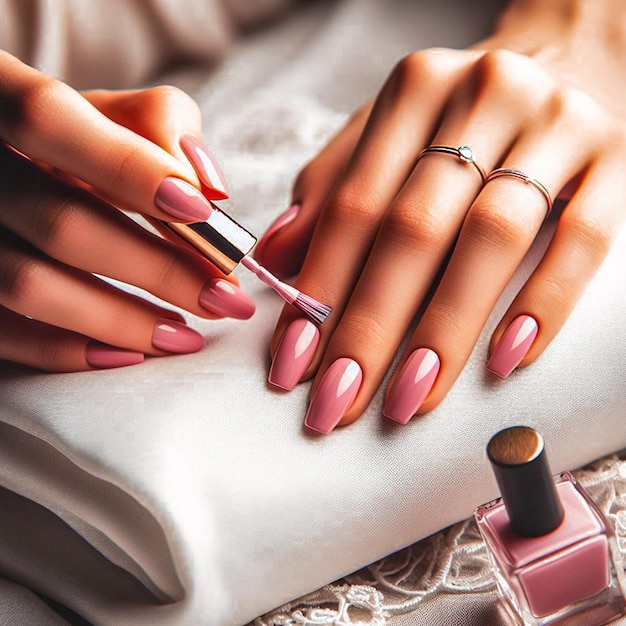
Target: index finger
x,y
48,121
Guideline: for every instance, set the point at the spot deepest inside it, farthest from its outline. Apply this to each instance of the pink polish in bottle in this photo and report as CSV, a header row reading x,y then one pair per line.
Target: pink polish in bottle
x,y
207,168
294,353
334,396
552,550
513,346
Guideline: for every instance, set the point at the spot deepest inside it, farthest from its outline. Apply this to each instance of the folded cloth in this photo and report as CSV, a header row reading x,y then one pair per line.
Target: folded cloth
x,y
185,490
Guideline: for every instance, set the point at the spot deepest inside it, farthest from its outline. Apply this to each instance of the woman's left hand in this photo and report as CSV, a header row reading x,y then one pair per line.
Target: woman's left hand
x,y
396,232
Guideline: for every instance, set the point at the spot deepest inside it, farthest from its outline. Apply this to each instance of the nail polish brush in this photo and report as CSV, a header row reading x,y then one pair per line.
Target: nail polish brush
x,y
225,243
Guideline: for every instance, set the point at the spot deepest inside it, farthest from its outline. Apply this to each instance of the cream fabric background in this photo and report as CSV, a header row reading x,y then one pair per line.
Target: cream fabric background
x,y
121,43
185,491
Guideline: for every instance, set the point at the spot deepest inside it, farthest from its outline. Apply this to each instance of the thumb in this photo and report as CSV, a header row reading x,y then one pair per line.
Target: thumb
x,y
171,119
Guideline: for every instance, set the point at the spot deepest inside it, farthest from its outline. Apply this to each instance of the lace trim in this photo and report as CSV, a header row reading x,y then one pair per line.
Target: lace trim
x,y
451,561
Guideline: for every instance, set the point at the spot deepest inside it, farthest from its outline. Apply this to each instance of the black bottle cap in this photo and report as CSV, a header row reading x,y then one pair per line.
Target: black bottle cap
x,y
519,462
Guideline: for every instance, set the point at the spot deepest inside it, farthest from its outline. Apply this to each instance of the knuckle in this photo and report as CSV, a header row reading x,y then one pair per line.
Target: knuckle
x,y
556,293
173,271
159,106
415,225
169,104
20,282
125,166
50,355
591,233
576,109
491,223
447,320
364,329
354,209
512,78
28,115
418,68
498,66
171,98
59,222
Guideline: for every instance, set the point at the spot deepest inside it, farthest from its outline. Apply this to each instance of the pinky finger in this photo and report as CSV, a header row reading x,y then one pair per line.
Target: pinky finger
x,y
582,240
36,344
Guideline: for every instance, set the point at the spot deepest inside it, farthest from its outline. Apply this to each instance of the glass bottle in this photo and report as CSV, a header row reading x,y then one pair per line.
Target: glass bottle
x,y
552,550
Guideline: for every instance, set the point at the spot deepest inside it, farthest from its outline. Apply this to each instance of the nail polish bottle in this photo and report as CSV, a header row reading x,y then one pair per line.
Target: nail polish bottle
x,y
552,550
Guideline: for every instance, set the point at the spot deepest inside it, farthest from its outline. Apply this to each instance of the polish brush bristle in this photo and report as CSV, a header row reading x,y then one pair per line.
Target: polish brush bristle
x,y
312,308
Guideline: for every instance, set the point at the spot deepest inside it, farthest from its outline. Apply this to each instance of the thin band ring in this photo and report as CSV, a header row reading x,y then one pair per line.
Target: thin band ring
x,y
463,153
513,173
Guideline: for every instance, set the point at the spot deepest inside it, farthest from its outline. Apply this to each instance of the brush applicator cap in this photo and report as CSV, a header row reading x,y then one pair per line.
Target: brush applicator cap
x,y
220,239
519,462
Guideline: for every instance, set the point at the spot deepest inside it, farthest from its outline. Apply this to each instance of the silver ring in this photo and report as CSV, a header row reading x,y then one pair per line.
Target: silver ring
x,y
513,173
463,153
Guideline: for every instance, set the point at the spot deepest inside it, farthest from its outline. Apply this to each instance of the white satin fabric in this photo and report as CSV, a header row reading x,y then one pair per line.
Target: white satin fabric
x,y
185,491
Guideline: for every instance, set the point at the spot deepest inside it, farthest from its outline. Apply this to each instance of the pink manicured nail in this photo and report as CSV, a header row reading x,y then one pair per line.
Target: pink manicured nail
x,y
206,167
103,356
173,336
334,396
513,346
277,225
182,200
412,385
221,297
294,354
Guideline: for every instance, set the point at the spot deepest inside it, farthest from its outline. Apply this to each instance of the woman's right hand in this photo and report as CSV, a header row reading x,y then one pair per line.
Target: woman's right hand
x,y
65,159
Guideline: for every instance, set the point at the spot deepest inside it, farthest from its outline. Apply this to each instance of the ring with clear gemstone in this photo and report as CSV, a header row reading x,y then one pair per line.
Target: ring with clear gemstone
x,y
463,153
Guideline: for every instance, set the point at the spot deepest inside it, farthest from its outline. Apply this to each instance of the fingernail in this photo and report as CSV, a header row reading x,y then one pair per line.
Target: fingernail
x,y
221,297
334,396
294,354
277,225
103,356
513,346
182,200
206,167
412,385
173,336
